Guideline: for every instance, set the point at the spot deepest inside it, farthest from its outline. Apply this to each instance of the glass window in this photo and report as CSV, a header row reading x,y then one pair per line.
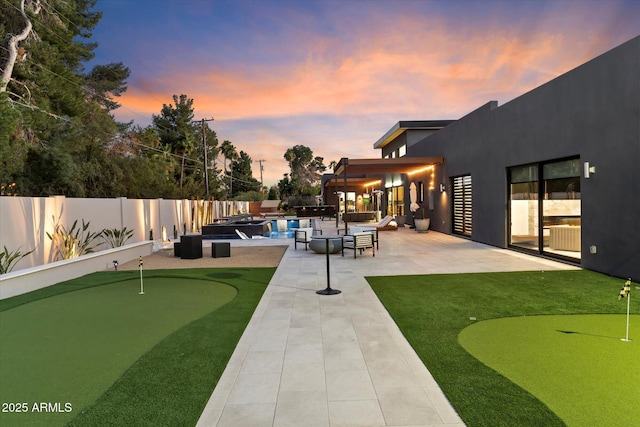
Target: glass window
x,y
351,201
545,208
402,151
524,206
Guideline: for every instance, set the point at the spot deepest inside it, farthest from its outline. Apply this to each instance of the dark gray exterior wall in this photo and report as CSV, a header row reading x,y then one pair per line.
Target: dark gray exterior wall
x,y
592,112
395,144
408,138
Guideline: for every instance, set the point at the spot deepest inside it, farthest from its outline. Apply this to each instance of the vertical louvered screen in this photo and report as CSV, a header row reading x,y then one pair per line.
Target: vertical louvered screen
x,y
462,205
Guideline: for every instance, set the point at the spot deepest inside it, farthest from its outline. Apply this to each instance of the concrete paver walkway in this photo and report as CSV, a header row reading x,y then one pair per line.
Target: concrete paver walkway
x,y
340,360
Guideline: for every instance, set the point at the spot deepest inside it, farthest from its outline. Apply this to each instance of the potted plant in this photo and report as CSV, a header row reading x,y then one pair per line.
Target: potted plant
x,y
420,222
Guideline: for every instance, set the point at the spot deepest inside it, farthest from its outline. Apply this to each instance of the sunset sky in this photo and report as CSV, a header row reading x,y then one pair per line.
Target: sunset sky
x,y
335,75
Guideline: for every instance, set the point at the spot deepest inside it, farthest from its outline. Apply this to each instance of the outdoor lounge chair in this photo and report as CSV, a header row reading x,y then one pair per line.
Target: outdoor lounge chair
x,y
242,235
387,223
358,242
303,235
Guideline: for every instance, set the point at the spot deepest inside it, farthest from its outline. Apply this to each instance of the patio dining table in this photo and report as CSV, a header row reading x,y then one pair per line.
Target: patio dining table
x,y
328,290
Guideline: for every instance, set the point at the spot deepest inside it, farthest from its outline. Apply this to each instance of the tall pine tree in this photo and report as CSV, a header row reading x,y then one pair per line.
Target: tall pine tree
x,y
57,122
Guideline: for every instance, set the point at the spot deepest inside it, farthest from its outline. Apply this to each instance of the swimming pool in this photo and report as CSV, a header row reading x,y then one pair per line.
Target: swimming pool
x,y
281,234
283,228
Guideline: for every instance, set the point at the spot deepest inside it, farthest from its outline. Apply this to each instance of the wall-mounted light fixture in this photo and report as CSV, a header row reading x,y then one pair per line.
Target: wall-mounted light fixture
x,y
115,265
588,169
442,188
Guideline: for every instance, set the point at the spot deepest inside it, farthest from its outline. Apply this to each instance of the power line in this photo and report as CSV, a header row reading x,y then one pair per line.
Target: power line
x,y
261,169
86,91
54,33
204,149
33,107
103,97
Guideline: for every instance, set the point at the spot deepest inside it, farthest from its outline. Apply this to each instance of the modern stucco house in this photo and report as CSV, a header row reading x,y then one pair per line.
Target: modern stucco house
x,y
554,172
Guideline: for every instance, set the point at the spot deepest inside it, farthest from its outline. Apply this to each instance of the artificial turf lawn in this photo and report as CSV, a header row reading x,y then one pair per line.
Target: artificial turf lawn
x,y
432,310
580,355
51,347
183,338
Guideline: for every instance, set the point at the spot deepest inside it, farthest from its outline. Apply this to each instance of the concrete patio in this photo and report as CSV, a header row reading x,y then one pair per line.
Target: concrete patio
x,y
339,360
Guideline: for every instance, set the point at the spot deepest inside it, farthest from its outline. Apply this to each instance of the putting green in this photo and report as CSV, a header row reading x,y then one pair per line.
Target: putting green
x,y
576,364
66,350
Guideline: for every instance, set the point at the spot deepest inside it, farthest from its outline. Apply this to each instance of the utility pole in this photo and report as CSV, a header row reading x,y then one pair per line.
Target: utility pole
x,y
206,162
261,169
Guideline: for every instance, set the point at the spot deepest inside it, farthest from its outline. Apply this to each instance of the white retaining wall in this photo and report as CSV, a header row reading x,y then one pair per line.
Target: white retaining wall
x,y
24,221
29,279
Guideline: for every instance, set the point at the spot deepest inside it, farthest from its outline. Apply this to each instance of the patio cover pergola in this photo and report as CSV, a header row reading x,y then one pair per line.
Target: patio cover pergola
x,y
360,171
400,165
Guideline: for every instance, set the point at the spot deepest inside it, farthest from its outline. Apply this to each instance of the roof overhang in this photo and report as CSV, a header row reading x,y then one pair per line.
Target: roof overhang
x,y
399,165
372,172
363,181
405,125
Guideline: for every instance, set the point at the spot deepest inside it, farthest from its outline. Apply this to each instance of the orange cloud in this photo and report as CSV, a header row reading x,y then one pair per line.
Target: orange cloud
x,y
417,68
432,71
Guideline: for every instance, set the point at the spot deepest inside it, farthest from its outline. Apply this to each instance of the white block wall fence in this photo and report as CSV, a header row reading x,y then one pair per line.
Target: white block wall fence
x,y
25,221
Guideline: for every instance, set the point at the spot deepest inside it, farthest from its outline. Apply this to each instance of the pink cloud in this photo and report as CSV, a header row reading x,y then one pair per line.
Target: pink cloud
x,y
417,68
373,79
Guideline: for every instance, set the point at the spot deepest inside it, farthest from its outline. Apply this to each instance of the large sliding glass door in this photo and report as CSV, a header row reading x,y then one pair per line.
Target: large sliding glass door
x,y
561,207
523,185
545,209
395,201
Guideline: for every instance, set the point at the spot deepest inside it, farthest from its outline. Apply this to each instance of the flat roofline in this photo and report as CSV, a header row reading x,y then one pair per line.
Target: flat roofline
x,y
380,166
405,125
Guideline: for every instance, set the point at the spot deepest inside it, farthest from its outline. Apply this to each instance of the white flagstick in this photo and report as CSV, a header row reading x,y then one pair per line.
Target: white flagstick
x,y
628,303
627,291
141,283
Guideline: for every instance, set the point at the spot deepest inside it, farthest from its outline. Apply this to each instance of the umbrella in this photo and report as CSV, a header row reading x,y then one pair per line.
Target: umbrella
x,y
413,194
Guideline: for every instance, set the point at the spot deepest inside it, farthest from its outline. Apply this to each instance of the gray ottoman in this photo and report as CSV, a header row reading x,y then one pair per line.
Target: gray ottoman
x,y
220,250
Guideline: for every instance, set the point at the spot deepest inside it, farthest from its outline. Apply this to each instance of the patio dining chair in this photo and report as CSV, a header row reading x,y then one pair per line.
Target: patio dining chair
x,y
358,242
304,223
317,228
366,229
303,235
